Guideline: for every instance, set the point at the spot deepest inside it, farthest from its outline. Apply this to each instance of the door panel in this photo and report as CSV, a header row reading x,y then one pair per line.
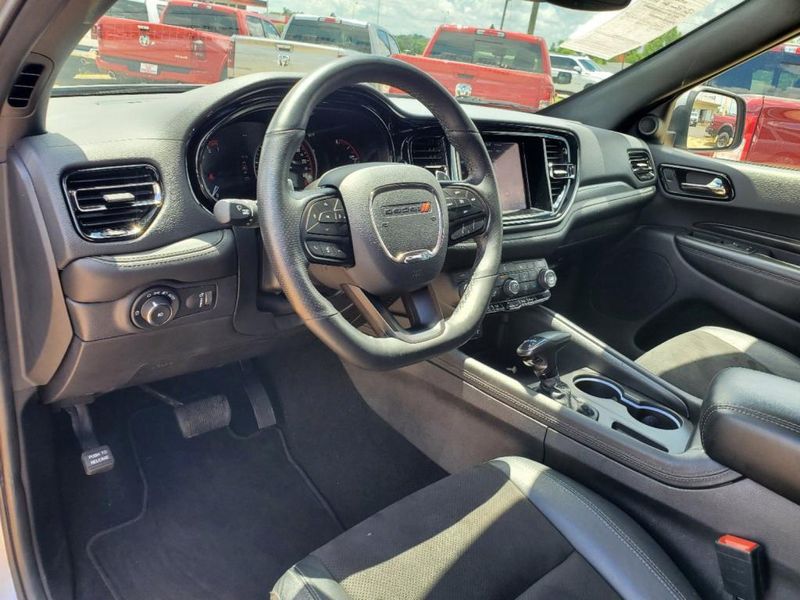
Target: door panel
x,y
699,261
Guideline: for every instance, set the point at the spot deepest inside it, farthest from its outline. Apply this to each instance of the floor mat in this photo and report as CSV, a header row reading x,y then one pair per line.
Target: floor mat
x,y
359,463
223,516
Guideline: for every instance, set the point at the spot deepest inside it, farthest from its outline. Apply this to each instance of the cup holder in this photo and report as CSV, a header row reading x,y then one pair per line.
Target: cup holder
x,y
652,416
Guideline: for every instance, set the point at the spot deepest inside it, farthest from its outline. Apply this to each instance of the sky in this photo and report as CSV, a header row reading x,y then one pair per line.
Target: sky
x,y
422,16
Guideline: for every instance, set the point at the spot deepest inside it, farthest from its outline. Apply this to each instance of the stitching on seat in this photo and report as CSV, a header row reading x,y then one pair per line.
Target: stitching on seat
x,y
750,412
621,535
306,583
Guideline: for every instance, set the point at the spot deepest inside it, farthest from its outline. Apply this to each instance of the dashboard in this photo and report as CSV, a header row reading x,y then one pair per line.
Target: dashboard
x,y
116,221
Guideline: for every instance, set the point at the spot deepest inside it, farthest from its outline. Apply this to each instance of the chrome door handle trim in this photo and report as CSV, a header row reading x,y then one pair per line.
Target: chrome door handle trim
x,y
716,187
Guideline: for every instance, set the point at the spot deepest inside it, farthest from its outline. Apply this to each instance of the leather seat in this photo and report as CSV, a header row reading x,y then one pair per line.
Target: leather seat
x,y
691,360
510,528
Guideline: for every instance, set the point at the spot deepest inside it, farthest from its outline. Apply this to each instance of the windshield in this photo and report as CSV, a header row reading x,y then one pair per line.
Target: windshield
x,y
509,53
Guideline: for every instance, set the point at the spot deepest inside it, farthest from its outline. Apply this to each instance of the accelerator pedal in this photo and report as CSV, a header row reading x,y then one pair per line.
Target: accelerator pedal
x,y
197,417
258,396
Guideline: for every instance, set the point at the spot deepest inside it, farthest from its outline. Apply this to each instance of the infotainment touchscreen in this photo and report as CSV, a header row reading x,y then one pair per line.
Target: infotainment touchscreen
x,y
507,160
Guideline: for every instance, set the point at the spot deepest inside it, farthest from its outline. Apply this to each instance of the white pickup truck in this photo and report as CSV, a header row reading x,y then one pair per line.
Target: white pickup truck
x,y
307,43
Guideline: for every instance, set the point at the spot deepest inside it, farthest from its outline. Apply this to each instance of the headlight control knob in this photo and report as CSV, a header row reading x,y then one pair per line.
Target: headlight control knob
x,y
547,279
156,311
511,287
155,307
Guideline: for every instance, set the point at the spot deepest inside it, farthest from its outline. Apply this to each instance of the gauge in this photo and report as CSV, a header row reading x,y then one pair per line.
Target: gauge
x,y
344,153
303,169
304,166
225,162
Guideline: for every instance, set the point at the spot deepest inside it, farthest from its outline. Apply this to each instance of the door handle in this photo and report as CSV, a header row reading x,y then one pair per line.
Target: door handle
x,y
715,187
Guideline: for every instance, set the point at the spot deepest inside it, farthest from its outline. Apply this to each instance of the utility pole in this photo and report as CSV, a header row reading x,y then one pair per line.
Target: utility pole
x,y
503,18
378,20
532,20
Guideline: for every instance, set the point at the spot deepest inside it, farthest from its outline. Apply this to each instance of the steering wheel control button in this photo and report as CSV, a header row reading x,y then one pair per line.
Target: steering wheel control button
x,y
326,231
326,250
155,308
237,213
466,212
326,216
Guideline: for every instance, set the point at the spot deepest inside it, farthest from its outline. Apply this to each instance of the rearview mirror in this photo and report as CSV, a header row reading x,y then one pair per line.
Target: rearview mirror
x,y
591,4
563,78
707,120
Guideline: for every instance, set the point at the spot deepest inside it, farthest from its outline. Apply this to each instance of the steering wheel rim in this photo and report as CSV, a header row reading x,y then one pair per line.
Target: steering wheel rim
x,y
281,216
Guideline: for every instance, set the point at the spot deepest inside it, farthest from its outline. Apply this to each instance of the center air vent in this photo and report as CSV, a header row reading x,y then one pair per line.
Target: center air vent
x,y
113,203
641,165
429,153
560,170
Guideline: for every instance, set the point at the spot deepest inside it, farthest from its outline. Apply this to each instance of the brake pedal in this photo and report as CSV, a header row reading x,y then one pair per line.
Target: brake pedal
x,y
197,417
95,458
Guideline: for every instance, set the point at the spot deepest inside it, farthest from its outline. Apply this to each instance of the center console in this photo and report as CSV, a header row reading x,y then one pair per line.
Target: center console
x,y
519,285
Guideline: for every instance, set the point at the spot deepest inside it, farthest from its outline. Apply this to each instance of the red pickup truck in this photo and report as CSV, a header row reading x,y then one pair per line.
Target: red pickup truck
x,y
770,85
488,65
190,45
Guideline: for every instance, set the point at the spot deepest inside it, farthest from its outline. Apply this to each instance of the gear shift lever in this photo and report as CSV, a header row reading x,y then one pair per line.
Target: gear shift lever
x,y
540,353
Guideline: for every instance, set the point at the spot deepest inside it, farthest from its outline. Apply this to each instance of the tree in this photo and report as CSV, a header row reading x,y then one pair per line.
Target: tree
x,y
411,44
654,45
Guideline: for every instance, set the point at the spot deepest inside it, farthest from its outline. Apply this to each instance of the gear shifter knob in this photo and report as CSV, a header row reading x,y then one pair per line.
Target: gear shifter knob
x,y
539,352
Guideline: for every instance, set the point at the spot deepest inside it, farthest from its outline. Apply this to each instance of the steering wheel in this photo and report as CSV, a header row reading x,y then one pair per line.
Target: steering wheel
x,y
378,231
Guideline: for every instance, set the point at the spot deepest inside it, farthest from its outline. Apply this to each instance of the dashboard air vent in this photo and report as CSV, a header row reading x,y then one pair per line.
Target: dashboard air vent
x,y
113,203
429,153
560,169
24,85
642,165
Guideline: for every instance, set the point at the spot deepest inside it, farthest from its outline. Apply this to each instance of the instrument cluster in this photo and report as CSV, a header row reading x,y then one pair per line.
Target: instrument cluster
x,y
228,156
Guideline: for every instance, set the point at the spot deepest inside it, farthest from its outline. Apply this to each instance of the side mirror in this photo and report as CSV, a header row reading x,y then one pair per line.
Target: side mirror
x,y
578,69
707,120
563,78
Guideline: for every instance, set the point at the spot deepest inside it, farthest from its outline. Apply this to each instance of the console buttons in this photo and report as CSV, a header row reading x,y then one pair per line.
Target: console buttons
x,y
511,287
198,299
547,279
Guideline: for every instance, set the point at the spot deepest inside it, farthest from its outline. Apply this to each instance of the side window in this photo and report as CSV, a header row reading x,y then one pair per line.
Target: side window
x,y
270,31
385,47
254,28
559,62
393,47
769,83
